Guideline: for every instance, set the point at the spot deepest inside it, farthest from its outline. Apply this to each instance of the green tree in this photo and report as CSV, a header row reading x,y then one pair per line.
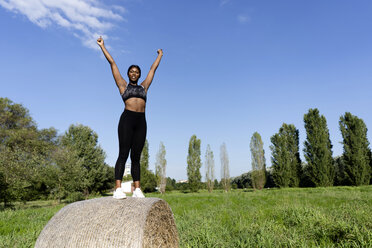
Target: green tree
x,y
194,164
16,126
13,116
225,171
285,158
84,142
148,178
209,168
144,161
339,171
160,168
109,182
68,174
216,185
356,159
24,152
269,179
171,184
3,188
258,162
318,150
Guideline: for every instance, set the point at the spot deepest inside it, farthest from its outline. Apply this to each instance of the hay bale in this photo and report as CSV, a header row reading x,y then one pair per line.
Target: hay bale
x,y
107,222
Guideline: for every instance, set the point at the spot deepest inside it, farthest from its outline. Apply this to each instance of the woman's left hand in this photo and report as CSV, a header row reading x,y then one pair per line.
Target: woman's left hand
x,y
160,51
100,41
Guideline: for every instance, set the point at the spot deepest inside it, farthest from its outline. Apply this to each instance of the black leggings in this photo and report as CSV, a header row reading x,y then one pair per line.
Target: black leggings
x,y
132,135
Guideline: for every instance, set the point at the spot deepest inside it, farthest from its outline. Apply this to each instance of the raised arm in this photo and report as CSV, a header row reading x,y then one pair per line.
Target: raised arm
x,y
120,82
147,82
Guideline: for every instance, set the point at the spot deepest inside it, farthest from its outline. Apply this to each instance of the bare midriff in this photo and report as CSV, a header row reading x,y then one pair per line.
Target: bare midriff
x,y
135,104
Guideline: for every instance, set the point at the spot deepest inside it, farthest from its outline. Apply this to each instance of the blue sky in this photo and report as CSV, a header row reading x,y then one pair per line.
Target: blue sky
x,y
230,68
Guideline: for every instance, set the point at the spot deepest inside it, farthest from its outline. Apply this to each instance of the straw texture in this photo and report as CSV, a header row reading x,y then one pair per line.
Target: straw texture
x,y
107,222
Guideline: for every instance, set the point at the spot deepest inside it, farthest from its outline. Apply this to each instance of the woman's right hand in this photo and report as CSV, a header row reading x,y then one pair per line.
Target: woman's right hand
x,y
100,41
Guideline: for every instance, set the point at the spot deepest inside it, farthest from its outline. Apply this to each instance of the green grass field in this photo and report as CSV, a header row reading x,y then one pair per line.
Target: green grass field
x,y
316,217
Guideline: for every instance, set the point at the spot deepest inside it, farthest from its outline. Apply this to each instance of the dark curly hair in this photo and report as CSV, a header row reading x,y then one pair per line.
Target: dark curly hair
x,y
136,66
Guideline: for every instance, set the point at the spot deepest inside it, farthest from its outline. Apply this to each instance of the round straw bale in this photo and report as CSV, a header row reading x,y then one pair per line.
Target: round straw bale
x,y
107,222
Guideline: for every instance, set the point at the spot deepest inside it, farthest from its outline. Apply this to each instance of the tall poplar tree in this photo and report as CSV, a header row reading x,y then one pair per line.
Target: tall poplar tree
x,y
144,160
356,156
194,164
225,171
318,150
209,168
160,168
286,162
148,179
258,162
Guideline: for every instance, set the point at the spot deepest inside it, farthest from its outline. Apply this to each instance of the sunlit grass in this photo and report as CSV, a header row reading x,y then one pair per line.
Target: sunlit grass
x,y
315,217
21,227
326,217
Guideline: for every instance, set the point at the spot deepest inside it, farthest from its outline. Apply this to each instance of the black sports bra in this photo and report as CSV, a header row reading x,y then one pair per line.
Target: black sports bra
x,y
134,91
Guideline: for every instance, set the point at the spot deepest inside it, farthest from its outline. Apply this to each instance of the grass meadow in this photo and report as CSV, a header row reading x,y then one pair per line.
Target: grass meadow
x,y
312,217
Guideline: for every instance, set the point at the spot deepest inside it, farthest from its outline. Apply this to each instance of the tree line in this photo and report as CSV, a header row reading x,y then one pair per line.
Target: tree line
x,y
41,164
320,168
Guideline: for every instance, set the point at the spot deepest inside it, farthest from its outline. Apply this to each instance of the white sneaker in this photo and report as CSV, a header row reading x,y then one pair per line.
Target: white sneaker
x,y
119,194
137,193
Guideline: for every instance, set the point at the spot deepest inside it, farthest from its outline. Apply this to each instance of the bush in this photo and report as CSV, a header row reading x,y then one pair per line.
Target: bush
x,y
148,182
183,187
75,196
243,181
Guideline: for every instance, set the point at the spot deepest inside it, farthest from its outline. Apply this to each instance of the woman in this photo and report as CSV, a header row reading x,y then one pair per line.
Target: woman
x,y
132,125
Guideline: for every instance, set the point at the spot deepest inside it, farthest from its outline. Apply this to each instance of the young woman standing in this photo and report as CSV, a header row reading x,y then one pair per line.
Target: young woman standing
x,y
132,125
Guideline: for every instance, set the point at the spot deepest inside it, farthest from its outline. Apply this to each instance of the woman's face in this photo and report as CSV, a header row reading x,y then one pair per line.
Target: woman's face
x,y
134,74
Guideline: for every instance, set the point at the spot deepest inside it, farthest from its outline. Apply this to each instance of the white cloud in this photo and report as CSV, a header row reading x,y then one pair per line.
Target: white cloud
x,y
223,2
119,8
243,18
86,19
